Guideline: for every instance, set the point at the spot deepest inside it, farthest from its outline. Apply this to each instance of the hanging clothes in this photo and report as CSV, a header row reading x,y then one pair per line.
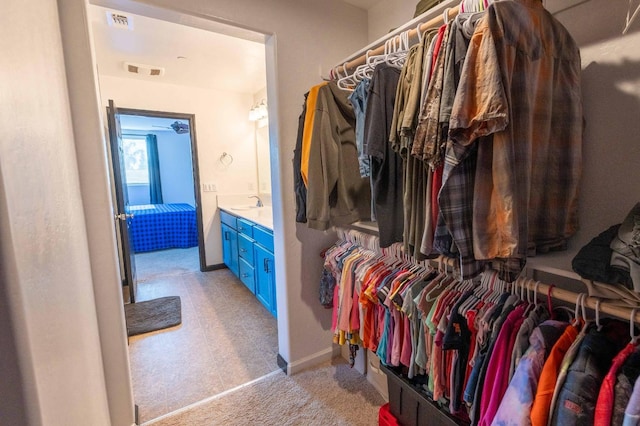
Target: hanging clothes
x,y
624,386
358,99
515,405
336,193
577,399
511,67
605,402
299,186
548,376
386,165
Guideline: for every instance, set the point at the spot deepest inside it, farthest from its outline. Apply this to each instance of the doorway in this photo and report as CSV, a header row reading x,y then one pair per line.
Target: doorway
x,y
160,158
213,350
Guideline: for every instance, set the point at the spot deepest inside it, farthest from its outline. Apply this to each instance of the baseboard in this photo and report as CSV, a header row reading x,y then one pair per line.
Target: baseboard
x,y
311,360
215,267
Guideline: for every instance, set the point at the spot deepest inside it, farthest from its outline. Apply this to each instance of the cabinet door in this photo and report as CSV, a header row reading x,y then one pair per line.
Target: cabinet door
x,y
247,275
230,248
265,278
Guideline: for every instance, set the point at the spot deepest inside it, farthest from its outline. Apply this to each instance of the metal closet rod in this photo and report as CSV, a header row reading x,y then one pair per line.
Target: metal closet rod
x,y
352,64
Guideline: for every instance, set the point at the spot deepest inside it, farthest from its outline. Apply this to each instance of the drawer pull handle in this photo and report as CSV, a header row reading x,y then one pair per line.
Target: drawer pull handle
x,y
245,275
243,250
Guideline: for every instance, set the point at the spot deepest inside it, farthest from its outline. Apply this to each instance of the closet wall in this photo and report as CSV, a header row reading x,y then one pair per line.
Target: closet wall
x,y
611,92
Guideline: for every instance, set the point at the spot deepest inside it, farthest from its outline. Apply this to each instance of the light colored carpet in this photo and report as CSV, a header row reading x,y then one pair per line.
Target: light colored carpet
x,y
163,263
329,394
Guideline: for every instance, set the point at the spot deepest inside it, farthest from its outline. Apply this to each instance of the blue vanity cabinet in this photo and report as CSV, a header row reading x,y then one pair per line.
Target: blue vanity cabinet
x,y
230,242
246,254
247,250
265,268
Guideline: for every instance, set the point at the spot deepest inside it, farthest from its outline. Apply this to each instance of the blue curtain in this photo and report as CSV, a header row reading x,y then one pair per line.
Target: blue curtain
x,y
155,186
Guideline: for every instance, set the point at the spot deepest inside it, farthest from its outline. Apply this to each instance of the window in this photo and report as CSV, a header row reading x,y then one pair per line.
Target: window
x,y
136,165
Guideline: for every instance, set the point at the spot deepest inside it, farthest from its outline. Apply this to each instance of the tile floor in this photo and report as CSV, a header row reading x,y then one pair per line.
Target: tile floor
x,y
226,338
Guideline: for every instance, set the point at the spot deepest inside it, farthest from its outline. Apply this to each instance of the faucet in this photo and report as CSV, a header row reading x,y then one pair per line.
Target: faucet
x,y
259,203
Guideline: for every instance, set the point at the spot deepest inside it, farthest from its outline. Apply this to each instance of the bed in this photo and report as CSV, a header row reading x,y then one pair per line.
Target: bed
x,y
163,226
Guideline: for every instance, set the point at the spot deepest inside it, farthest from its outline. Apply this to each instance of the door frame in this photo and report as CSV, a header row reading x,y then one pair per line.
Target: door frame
x,y
191,118
121,202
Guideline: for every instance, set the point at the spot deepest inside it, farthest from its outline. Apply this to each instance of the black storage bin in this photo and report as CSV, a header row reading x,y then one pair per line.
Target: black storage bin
x,y
412,407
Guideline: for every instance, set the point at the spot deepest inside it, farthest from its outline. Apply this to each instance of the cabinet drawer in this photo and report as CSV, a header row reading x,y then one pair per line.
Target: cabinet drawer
x,y
228,219
245,227
264,237
247,275
245,248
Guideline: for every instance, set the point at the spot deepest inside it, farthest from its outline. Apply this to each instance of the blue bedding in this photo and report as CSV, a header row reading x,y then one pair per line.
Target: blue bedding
x,y
163,226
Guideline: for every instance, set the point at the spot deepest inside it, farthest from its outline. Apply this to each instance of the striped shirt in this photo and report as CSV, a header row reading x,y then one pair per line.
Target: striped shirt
x,y
520,83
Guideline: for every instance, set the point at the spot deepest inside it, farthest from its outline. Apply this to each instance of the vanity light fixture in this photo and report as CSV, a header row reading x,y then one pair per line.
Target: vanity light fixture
x,y
258,111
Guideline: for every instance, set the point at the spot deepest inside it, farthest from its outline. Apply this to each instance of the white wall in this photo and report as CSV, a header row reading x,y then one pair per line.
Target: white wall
x,y
138,193
388,15
45,272
221,125
176,174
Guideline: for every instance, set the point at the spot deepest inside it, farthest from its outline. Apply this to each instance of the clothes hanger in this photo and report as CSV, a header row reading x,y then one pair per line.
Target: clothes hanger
x,y
347,82
629,20
445,16
598,325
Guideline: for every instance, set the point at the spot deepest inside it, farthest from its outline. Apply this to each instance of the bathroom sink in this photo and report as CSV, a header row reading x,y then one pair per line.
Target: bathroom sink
x,y
241,208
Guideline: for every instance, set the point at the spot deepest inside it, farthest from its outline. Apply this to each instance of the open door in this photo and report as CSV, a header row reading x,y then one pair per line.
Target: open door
x,y
122,217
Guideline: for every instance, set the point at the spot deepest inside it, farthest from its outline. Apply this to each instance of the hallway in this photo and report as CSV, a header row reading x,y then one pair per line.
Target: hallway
x,y
226,338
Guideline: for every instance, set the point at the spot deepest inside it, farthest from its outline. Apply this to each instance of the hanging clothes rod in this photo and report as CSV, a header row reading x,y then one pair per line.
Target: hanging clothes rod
x,y
590,302
378,47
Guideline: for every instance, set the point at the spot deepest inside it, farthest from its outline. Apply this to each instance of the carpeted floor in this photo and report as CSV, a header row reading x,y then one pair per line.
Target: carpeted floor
x,y
329,394
178,366
203,365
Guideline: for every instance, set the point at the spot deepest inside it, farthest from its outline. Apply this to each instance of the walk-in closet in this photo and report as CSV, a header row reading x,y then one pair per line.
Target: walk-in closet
x,y
478,267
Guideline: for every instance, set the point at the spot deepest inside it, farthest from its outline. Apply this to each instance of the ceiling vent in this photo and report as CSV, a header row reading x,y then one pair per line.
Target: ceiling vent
x,y
142,69
119,20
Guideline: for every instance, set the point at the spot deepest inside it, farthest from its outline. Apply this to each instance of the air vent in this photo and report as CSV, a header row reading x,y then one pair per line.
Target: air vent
x,y
119,20
142,69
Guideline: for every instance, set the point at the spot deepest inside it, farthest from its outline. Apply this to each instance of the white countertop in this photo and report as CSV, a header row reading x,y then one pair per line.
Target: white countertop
x,y
263,216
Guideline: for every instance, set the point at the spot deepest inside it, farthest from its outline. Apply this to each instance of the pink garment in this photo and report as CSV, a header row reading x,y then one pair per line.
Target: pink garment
x,y
398,336
346,294
604,406
334,313
497,377
407,348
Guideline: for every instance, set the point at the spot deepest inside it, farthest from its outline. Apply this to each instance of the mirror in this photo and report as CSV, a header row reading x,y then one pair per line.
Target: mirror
x,y
263,158
263,152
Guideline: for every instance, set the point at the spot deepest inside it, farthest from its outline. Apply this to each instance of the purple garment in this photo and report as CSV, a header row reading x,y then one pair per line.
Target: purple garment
x,y
632,413
515,407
